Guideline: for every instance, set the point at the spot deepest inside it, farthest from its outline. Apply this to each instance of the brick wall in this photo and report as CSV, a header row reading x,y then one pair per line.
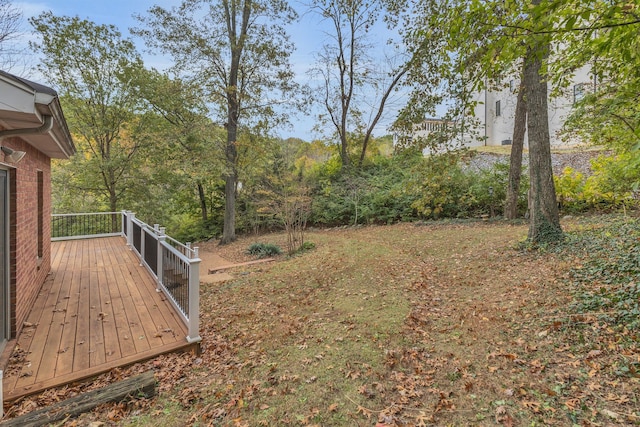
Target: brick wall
x,y
27,271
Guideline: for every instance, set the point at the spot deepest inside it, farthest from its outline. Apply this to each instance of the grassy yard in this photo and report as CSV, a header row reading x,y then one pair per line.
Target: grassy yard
x,y
411,325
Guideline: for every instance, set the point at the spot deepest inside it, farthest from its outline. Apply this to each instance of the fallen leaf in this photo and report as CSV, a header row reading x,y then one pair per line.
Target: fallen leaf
x,y
364,411
610,414
593,353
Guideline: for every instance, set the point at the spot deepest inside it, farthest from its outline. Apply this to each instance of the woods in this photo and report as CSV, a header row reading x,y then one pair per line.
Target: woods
x,y
197,145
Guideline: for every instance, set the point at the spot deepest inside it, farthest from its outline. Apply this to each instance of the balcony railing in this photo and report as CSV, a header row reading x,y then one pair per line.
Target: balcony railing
x,y
175,266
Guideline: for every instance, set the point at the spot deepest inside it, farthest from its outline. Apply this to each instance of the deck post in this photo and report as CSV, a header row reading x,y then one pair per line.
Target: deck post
x,y
143,255
130,217
123,224
160,273
194,298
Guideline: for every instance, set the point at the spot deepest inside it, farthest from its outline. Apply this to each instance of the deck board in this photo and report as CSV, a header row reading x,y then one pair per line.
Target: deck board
x,y
97,310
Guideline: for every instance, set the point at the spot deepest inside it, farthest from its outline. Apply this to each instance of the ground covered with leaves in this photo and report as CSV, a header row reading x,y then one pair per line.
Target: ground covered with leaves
x,y
410,325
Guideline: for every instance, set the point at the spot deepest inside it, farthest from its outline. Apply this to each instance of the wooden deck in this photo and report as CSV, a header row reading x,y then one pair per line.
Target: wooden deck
x,y
98,310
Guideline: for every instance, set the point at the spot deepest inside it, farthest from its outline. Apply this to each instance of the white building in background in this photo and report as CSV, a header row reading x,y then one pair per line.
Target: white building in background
x,y
495,114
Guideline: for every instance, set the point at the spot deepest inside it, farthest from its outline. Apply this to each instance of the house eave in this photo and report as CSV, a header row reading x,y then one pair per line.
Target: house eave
x,y
23,107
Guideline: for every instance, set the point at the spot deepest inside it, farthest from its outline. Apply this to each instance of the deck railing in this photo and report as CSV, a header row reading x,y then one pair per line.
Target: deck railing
x,y
175,266
85,225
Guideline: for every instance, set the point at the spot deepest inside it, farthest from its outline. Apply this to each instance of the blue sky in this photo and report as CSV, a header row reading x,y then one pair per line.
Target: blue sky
x,y
307,35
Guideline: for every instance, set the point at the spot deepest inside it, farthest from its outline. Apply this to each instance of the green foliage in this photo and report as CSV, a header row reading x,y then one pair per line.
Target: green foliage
x,y
409,187
442,188
308,246
570,190
613,180
489,190
98,100
445,188
605,37
375,193
607,284
610,186
187,227
264,250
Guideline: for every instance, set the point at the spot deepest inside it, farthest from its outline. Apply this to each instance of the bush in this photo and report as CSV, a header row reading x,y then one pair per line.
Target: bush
x,y
264,250
611,185
376,193
442,188
489,190
570,190
189,228
307,246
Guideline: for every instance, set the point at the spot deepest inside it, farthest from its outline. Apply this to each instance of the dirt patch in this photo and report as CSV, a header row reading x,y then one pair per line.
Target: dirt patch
x,y
213,261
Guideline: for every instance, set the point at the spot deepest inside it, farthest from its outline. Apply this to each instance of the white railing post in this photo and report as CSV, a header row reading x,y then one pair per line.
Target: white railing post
x,y
130,217
194,298
143,235
161,238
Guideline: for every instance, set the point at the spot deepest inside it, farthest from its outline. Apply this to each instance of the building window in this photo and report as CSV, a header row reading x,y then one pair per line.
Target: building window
x,y
498,112
578,92
40,214
512,86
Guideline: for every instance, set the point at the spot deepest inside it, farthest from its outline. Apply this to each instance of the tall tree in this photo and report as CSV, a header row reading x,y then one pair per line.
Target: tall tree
x,y
356,87
238,52
602,35
92,67
544,220
10,20
194,141
486,42
515,158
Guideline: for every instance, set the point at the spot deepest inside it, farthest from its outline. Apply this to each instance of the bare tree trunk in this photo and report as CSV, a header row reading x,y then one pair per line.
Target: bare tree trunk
x,y
230,180
236,42
544,223
203,202
515,161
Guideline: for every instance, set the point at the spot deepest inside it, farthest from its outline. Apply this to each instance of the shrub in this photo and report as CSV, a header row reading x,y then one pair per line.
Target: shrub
x,y
570,190
612,182
489,189
307,246
376,193
264,250
441,188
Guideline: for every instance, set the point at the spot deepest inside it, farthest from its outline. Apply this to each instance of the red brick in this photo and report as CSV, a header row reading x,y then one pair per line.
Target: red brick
x,y
27,272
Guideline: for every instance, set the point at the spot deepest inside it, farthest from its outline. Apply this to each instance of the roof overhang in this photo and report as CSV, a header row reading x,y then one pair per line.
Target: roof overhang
x,y
24,105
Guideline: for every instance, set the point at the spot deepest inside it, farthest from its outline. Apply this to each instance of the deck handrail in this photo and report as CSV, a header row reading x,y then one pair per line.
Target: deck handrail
x,y
85,225
174,265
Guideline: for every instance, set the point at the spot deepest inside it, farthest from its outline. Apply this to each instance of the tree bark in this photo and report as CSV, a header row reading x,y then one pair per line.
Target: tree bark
x,y
203,202
515,161
143,385
229,228
236,43
544,222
